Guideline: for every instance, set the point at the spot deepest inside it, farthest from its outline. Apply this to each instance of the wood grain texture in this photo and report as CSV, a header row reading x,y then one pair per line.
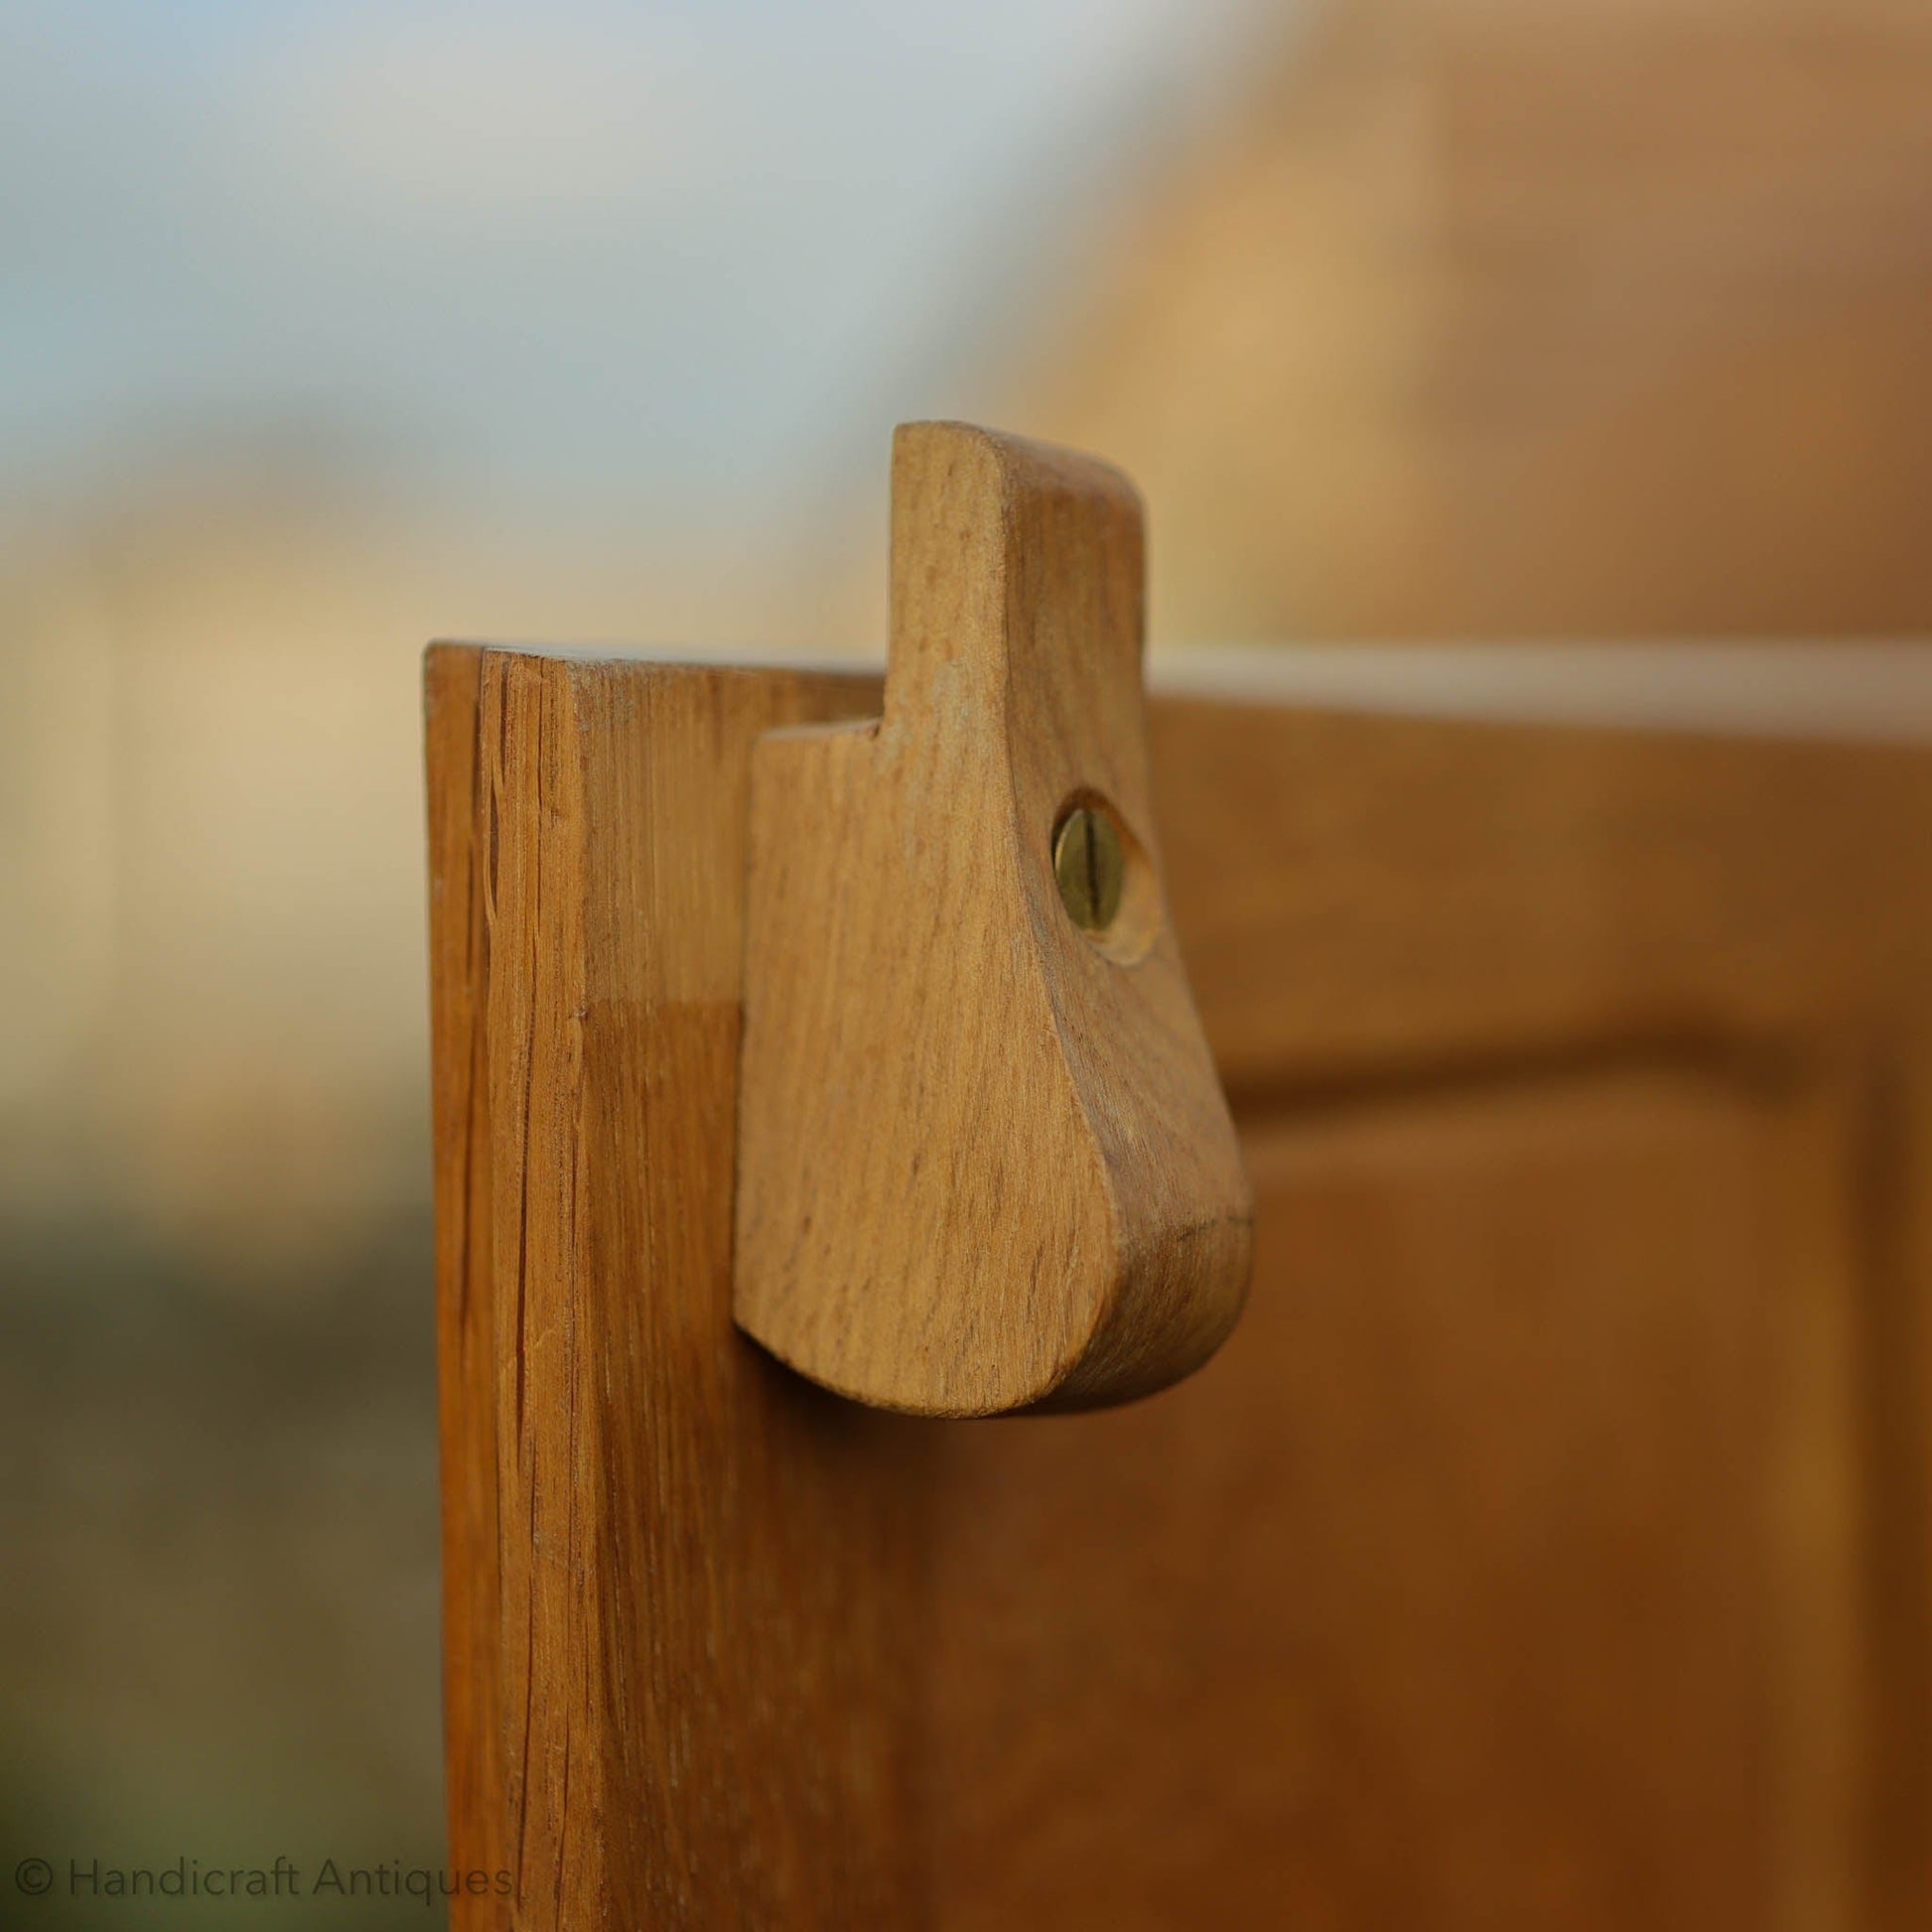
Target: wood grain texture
x,y
1362,896
984,1161
679,1668
1547,1546
1436,1599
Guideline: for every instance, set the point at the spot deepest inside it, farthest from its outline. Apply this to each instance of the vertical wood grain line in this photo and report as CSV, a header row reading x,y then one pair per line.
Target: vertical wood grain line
x,y
461,836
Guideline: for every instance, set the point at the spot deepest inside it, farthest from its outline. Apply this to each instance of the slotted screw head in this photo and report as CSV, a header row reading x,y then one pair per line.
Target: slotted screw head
x,y
1089,867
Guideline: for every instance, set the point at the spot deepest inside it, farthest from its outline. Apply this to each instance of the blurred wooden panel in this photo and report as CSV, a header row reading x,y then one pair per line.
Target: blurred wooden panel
x,y
1460,1589
1488,319
1395,897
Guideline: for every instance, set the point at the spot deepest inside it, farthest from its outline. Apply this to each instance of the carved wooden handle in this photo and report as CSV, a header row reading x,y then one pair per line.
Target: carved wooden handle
x,y
983,1162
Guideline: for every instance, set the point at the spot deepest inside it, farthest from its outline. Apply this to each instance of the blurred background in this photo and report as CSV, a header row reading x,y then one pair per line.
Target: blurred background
x,y
329,329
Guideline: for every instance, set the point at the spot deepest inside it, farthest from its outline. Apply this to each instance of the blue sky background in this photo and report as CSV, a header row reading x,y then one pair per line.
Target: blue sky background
x,y
564,261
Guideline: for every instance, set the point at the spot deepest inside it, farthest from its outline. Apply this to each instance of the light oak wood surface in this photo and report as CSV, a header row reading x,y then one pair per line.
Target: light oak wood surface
x,y
679,1683
1547,1547
984,1162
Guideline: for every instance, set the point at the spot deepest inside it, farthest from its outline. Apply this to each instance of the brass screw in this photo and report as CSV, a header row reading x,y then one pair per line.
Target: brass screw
x,y
1089,867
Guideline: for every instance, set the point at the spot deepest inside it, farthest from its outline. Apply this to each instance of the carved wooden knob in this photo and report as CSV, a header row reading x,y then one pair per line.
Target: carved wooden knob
x,y
983,1162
